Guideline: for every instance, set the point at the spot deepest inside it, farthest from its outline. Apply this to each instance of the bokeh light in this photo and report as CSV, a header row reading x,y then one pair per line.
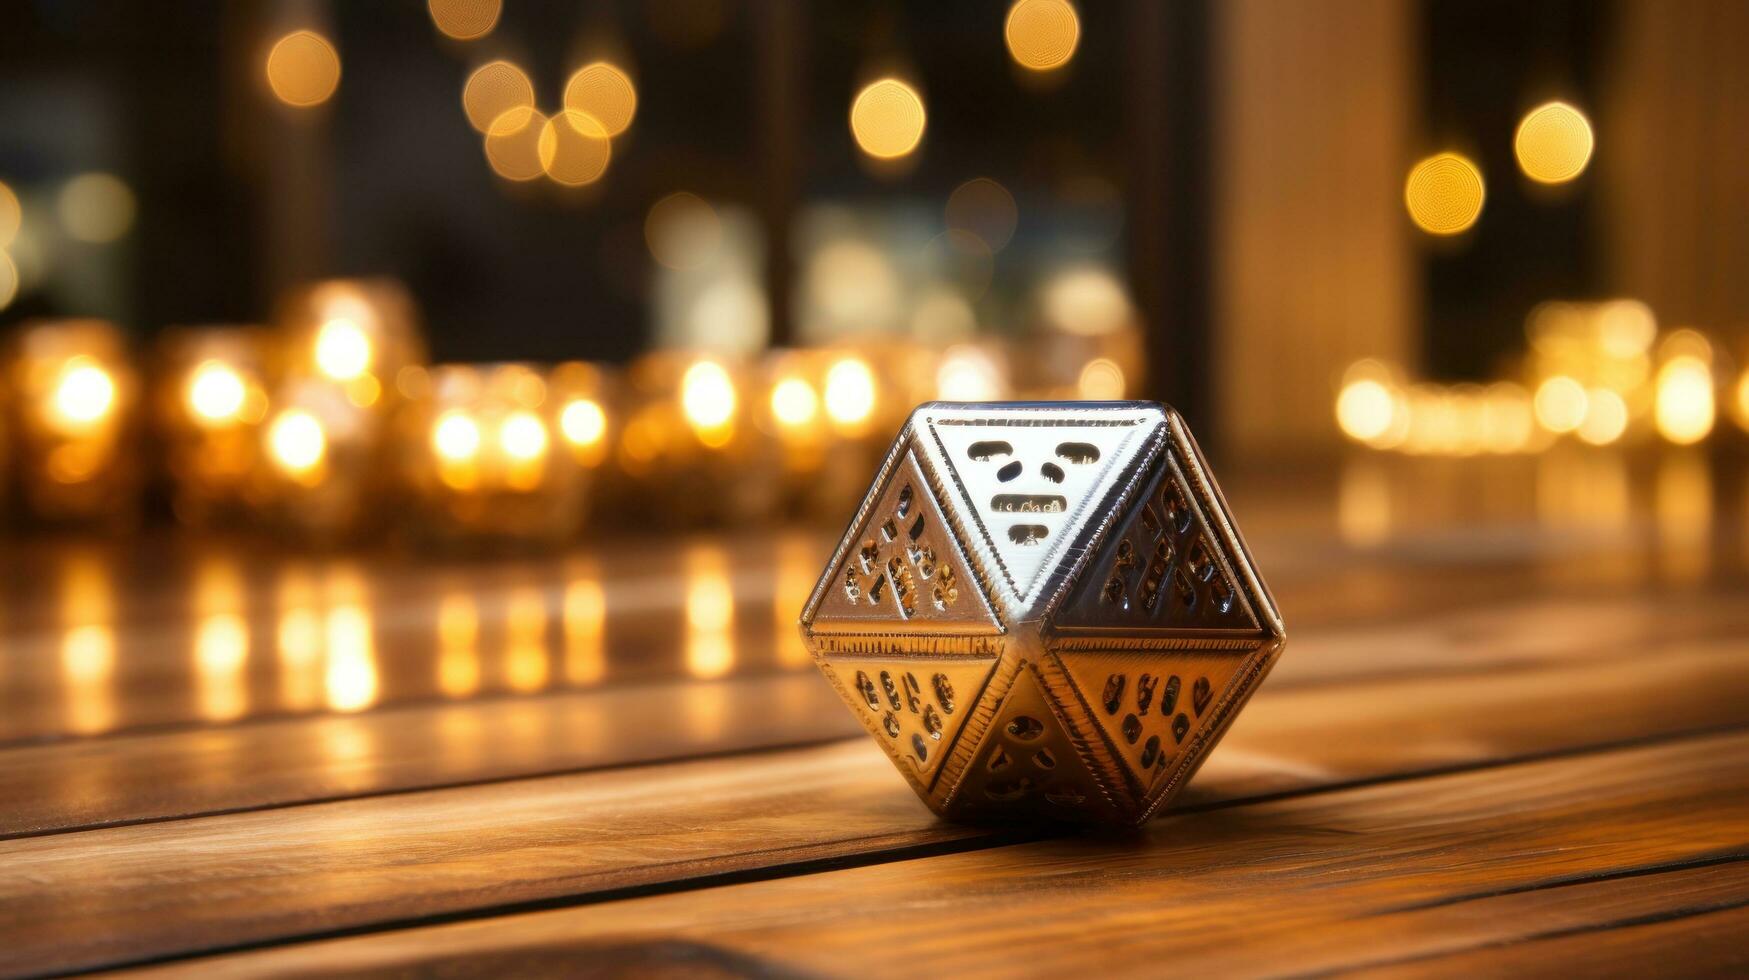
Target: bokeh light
x,y
793,402
967,374
707,396
1606,417
1444,194
216,393
465,20
1560,404
303,69
494,89
1087,301
513,144
605,92
8,280
84,394
1683,406
1365,409
683,231
1743,400
887,119
11,215
1553,143
296,442
343,352
1101,379
455,437
1042,34
574,150
850,392
984,208
96,207
582,422
523,436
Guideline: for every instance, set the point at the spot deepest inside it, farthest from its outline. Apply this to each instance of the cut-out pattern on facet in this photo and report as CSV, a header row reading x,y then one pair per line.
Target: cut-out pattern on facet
x,y
1164,568
1151,705
903,565
916,707
1026,765
1031,484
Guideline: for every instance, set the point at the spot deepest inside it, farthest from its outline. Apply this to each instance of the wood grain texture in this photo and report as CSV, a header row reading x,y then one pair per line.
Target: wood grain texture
x,y
1401,871
183,886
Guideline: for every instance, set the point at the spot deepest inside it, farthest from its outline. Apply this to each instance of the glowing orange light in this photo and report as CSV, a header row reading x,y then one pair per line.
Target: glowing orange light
x,y
707,396
465,20
494,89
850,392
1560,404
1042,34
513,143
793,402
11,216
1444,194
1553,143
216,393
1683,406
582,422
887,119
303,69
296,442
604,92
574,149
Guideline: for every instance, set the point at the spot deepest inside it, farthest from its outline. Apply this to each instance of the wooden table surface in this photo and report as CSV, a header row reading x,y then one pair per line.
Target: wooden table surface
x,y
1510,733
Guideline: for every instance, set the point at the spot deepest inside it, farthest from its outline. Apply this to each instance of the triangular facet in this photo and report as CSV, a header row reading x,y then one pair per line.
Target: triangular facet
x,y
1152,705
1027,765
1031,482
1163,569
914,707
903,565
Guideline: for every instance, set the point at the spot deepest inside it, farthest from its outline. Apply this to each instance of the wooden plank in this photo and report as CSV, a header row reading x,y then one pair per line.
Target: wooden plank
x,y
86,783
93,783
110,896
1315,883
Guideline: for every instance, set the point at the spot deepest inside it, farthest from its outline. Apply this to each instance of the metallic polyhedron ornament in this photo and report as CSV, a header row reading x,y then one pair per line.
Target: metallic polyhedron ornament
x,y
1043,610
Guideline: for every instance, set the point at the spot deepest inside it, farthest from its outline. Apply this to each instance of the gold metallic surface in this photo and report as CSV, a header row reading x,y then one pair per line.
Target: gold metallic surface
x,y
1044,610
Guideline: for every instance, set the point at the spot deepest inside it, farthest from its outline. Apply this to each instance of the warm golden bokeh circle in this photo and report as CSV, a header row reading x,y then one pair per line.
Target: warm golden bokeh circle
x,y
887,119
303,69
1554,143
494,89
574,148
983,208
465,20
605,92
11,216
683,231
8,280
1042,34
513,144
1444,194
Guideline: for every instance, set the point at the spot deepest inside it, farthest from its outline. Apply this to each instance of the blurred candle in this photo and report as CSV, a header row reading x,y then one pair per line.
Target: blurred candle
x,y
74,417
209,401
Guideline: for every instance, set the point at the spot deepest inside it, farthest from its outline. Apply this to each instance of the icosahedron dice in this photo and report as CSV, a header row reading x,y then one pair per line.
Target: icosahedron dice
x,y
1044,610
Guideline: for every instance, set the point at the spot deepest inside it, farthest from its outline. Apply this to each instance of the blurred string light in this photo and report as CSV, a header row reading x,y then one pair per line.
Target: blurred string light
x,y
968,374
1683,407
343,351
1365,408
683,231
573,148
603,91
465,20
1560,403
850,392
1444,194
984,208
96,207
583,423
1553,143
494,89
513,143
84,394
1042,34
523,436
793,402
887,119
455,437
297,443
1606,417
1101,380
707,398
216,394
303,69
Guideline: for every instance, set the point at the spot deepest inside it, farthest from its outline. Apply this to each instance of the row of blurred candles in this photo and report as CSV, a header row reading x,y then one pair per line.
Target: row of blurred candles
x,y
331,421
1595,373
